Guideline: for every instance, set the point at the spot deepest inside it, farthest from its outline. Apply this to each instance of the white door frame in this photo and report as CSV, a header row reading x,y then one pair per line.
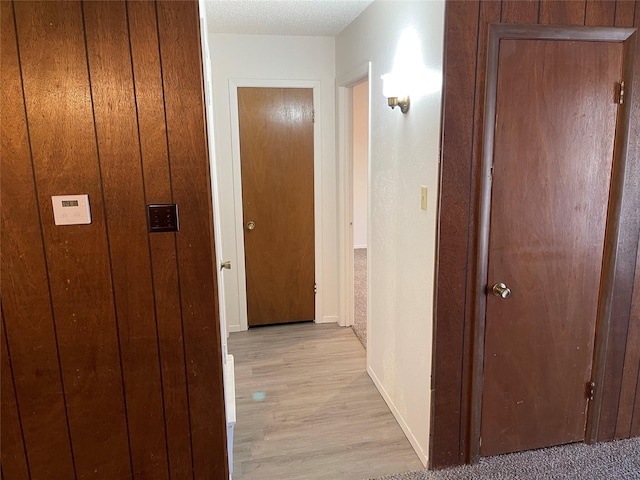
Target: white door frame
x,y
215,188
234,84
344,86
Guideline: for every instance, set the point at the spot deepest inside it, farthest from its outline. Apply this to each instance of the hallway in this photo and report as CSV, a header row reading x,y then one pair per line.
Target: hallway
x,y
306,408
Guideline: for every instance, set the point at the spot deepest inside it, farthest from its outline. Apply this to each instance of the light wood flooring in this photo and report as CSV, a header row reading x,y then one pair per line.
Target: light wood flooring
x,y
307,409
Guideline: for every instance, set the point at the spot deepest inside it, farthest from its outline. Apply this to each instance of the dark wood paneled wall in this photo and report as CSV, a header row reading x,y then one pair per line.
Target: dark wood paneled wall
x,y
466,31
111,357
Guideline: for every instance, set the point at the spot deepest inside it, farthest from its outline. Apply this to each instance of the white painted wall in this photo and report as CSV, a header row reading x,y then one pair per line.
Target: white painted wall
x,y
360,100
404,155
246,57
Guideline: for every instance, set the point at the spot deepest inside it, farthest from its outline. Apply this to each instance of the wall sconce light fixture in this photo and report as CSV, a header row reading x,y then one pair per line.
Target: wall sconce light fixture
x,y
394,89
402,102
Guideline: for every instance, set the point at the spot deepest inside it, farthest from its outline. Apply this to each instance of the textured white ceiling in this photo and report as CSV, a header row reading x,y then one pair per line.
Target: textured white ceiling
x,y
283,17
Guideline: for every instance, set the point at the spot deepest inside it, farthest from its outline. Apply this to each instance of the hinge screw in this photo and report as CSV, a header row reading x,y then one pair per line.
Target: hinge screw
x,y
621,93
591,390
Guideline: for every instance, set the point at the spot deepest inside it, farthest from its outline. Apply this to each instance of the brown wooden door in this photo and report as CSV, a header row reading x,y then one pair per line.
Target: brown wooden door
x,y
276,154
554,135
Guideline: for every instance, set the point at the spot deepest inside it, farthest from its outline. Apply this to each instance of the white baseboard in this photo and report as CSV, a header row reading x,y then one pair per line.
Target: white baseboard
x,y
234,328
328,319
423,456
356,247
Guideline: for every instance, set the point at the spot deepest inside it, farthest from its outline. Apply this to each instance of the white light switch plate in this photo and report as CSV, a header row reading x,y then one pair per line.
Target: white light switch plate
x,y
423,197
71,209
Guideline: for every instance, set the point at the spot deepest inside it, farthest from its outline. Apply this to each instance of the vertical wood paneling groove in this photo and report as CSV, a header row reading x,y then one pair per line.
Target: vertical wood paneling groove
x,y
610,407
600,13
631,371
453,325
618,338
539,11
7,369
24,225
153,144
118,151
164,103
635,419
183,88
14,447
622,364
175,245
520,12
624,16
184,350
107,239
151,272
44,257
584,19
56,89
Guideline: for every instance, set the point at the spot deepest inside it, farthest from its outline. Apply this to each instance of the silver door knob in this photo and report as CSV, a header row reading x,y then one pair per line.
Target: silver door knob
x,y
501,290
225,265
251,225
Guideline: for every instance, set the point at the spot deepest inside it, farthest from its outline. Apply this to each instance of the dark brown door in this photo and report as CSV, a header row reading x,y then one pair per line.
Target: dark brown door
x,y
555,126
276,154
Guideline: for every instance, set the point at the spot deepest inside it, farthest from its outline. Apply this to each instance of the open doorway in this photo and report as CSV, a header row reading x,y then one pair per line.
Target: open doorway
x,y
359,186
306,407
353,118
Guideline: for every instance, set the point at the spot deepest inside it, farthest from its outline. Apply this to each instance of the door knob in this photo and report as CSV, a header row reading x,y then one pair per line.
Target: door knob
x,y
225,265
501,290
251,225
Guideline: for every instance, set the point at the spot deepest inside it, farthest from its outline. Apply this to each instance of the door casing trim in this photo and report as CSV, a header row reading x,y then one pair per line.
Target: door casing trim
x,y
234,84
344,155
498,32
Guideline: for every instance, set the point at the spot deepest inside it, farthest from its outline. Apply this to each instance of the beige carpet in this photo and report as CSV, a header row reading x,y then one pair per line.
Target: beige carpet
x,y
604,461
360,295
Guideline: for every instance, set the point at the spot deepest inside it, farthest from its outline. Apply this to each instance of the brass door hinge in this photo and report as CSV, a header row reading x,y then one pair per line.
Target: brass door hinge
x,y
315,288
591,390
620,93
313,116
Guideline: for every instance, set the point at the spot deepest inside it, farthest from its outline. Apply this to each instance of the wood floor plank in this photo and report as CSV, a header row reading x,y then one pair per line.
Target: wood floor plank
x,y
306,408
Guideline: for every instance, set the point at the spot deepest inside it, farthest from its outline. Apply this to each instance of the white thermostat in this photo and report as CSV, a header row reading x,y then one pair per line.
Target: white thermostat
x,y
71,209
